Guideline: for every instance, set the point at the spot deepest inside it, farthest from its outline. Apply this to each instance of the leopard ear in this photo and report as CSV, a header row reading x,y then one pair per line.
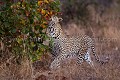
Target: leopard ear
x,y
60,19
52,18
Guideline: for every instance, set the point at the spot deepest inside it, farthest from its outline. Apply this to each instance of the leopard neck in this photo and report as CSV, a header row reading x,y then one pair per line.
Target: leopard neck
x,y
61,33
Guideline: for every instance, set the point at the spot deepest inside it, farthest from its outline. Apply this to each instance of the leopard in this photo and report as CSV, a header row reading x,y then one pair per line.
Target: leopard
x,y
65,47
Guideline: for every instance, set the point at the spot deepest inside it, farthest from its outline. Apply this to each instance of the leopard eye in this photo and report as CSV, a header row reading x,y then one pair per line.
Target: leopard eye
x,y
52,24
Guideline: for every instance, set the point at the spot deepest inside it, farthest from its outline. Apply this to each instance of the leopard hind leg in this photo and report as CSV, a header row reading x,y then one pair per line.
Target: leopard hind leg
x,y
87,58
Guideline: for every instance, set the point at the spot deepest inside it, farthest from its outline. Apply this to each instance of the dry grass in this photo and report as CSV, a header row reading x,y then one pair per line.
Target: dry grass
x,y
10,70
15,72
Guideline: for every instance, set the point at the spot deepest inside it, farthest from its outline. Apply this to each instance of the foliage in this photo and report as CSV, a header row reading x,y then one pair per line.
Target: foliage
x,y
23,25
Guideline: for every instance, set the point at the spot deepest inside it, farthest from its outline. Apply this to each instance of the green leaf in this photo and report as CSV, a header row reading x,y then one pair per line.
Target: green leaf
x,y
6,24
57,2
0,13
13,30
31,20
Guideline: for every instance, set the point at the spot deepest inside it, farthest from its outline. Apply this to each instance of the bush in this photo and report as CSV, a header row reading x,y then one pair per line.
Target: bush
x,y
23,25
